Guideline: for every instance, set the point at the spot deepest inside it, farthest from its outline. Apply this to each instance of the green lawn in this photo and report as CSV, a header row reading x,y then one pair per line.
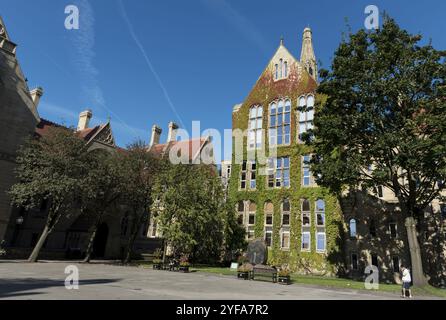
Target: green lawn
x,y
335,282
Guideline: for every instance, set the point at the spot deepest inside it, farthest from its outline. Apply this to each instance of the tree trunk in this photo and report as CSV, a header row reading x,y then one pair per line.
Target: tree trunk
x,y
128,255
35,253
418,276
90,244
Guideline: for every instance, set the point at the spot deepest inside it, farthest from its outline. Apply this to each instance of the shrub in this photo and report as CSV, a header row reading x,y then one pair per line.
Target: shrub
x,y
247,267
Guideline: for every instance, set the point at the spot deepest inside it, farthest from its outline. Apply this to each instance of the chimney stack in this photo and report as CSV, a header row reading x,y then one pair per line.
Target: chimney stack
x,y
84,119
156,133
36,94
172,136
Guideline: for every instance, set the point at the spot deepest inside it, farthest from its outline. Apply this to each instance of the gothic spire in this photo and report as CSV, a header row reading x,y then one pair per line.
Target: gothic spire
x,y
307,57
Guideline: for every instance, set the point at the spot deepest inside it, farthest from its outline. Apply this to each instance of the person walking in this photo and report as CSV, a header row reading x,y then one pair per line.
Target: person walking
x,y
407,280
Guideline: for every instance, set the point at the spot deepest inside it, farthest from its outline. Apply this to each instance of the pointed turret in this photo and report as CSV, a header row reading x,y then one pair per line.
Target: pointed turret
x,y
5,43
307,57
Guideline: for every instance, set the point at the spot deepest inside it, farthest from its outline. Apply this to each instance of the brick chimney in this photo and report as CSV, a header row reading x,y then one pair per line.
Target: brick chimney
x,y
172,132
156,133
84,119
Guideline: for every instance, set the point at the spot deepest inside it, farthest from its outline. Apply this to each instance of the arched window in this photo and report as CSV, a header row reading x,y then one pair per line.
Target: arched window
x,y
255,127
352,225
280,123
281,70
306,114
241,211
276,72
306,213
285,69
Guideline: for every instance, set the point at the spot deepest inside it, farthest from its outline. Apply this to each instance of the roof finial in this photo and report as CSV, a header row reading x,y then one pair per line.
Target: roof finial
x,y
281,40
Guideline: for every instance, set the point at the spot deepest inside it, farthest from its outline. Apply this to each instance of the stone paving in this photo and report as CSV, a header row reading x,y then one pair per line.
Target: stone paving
x,y
20,280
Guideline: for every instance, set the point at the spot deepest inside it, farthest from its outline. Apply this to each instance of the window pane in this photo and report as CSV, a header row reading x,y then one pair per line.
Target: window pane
x,y
259,112
286,219
353,228
287,118
321,241
286,162
273,121
306,205
287,106
302,102
320,205
306,241
253,113
269,219
273,108
286,206
310,101
310,115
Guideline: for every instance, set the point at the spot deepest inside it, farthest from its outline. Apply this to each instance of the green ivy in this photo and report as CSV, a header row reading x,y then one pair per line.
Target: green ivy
x,y
264,92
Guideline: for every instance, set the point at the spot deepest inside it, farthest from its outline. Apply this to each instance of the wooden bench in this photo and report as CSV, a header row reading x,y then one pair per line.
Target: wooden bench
x,y
264,272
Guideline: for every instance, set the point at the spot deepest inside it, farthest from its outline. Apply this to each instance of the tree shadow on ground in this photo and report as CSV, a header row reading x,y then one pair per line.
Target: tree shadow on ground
x,y
18,287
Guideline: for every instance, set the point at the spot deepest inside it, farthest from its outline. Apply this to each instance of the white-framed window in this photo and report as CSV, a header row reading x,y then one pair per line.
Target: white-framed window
x,y
306,213
285,240
279,172
248,175
280,122
255,126
352,228
306,115
306,241
321,242
320,213
307,177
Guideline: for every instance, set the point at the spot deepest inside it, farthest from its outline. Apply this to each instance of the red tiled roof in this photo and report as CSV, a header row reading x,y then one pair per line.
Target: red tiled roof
x,y
193,146
86,134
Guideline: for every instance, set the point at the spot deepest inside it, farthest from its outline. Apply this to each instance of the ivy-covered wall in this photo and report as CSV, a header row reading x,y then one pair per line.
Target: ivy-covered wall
x,y
264,92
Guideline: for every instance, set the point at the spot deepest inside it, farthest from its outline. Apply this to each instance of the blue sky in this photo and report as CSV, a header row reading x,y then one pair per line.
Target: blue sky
x,y
151,62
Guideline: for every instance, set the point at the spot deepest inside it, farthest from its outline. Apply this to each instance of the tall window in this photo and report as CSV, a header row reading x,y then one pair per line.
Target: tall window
x,y
285,243
251,219
281,70
269,212
306,214
307,178
280,123
306,114
255,127
352,224
286,209
320,213
279,172
372,228
248,175
320,241
306,241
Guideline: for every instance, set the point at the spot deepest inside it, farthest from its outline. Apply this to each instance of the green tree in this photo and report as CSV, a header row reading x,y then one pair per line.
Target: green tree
x,y
192,214
52,167
138,173
382,106
101,191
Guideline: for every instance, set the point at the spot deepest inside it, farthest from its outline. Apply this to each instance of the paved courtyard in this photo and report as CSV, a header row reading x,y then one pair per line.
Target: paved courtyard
x,y
99,281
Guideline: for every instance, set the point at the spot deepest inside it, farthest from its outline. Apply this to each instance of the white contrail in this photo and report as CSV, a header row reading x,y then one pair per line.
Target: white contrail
x,y
149,63
84,40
